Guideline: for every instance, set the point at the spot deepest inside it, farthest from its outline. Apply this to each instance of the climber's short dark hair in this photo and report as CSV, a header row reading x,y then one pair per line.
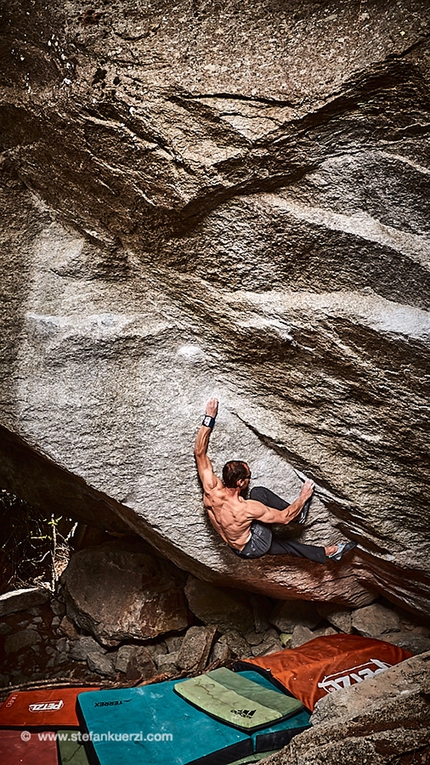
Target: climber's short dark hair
x,y
234,471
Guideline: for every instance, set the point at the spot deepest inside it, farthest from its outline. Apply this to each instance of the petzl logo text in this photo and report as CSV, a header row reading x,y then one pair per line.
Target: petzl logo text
x,y
46,706
347,677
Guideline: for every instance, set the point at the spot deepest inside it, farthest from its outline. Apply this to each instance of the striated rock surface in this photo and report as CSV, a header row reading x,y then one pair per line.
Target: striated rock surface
x,y
227,200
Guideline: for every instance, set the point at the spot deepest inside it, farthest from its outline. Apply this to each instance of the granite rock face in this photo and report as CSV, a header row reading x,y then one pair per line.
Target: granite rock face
x,y
221,200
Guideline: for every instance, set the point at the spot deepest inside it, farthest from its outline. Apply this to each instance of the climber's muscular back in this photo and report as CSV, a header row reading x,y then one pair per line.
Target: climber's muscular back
x,y
231,515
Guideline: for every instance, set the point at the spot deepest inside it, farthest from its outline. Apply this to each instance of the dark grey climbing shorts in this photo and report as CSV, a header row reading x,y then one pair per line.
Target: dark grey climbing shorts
x,y
260,542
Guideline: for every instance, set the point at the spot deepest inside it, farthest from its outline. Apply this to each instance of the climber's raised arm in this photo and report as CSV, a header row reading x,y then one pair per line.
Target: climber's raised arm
x,y
204,465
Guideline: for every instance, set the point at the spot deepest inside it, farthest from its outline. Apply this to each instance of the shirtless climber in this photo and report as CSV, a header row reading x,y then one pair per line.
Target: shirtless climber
x,y
242,523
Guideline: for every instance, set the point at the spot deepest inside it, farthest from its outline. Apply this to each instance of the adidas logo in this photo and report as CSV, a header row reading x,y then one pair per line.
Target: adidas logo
x,y
248,713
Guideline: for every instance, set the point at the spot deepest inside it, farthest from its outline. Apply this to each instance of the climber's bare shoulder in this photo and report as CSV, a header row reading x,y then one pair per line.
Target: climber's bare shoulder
x,y
213,487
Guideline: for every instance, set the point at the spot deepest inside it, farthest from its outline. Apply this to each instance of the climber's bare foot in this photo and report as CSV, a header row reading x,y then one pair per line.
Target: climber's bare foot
x,y
336,552
331,549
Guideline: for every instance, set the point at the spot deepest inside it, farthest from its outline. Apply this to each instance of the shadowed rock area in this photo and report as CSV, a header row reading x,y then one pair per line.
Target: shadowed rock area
x,y
221,199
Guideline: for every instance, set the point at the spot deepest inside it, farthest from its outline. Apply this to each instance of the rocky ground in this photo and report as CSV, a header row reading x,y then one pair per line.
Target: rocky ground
x,y
63,637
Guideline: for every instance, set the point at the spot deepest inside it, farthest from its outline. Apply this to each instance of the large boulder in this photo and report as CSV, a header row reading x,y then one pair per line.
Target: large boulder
x,y
229,203
375,620
118,592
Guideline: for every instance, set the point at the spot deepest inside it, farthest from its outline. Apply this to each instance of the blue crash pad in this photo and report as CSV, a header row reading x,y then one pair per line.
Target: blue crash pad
x,y
154,725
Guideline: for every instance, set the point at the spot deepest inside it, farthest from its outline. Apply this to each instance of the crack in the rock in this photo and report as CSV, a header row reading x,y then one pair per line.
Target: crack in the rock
x,y
362,86
412,47
239,97
295,459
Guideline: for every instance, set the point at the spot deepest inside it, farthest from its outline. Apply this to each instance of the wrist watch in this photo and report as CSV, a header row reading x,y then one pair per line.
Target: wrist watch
x,y
208,421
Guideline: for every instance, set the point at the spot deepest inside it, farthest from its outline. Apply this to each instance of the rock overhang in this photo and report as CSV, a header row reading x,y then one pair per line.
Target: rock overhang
x,y
199,237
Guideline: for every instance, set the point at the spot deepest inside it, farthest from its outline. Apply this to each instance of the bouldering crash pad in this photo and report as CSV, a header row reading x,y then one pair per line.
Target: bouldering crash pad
x,y
154,724
237,700
49,708
327,664
27,748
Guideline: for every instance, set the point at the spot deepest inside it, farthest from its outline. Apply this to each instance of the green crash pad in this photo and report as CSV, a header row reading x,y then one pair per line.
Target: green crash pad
x,y
71,748
237,700
170,730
